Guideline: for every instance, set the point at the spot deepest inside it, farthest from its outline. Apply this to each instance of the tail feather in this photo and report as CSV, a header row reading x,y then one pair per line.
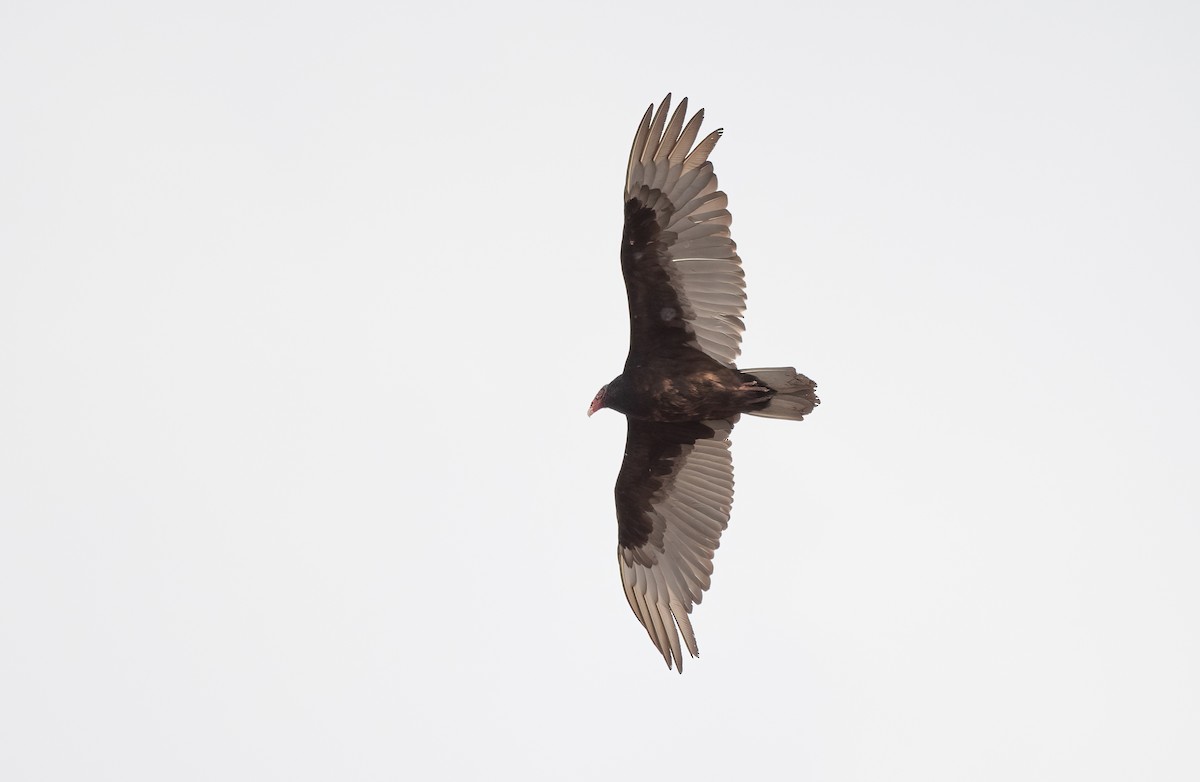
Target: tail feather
x,y
795,395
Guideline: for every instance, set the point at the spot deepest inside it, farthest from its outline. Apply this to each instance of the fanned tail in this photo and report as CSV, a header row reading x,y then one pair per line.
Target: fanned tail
x,y
795,395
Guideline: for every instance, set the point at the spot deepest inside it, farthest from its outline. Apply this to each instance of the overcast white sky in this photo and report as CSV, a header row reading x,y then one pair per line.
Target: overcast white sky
x,y
301,308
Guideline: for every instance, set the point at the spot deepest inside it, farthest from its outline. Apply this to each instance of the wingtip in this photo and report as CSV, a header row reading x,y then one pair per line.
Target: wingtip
x,y
663,105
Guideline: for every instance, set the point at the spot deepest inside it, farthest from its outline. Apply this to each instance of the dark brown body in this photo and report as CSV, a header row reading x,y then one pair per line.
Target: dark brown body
x,y
686,386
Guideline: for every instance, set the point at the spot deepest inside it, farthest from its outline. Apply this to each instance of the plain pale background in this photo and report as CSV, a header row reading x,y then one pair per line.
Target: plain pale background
x,y
301,308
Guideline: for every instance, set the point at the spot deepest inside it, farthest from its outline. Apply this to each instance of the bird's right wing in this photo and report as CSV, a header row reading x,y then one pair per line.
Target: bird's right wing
x,y
674,495
682,272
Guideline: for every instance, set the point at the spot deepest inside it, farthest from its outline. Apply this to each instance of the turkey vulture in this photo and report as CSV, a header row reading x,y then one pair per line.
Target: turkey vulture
x,y
680,391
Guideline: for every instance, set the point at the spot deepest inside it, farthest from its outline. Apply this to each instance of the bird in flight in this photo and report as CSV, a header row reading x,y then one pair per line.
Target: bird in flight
x,y
680,391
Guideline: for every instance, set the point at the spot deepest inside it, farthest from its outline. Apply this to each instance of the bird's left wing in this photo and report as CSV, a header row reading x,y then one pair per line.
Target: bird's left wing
x,y
682,271
673,495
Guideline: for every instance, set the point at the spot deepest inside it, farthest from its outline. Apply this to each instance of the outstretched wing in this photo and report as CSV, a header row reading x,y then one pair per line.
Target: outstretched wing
x,y
682,272
674,494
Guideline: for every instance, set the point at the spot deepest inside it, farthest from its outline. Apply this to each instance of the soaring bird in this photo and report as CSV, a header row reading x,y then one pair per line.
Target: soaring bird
x,y
680,391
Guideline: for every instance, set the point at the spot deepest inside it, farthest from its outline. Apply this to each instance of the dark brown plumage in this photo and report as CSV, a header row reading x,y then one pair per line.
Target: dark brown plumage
x,y
680,390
